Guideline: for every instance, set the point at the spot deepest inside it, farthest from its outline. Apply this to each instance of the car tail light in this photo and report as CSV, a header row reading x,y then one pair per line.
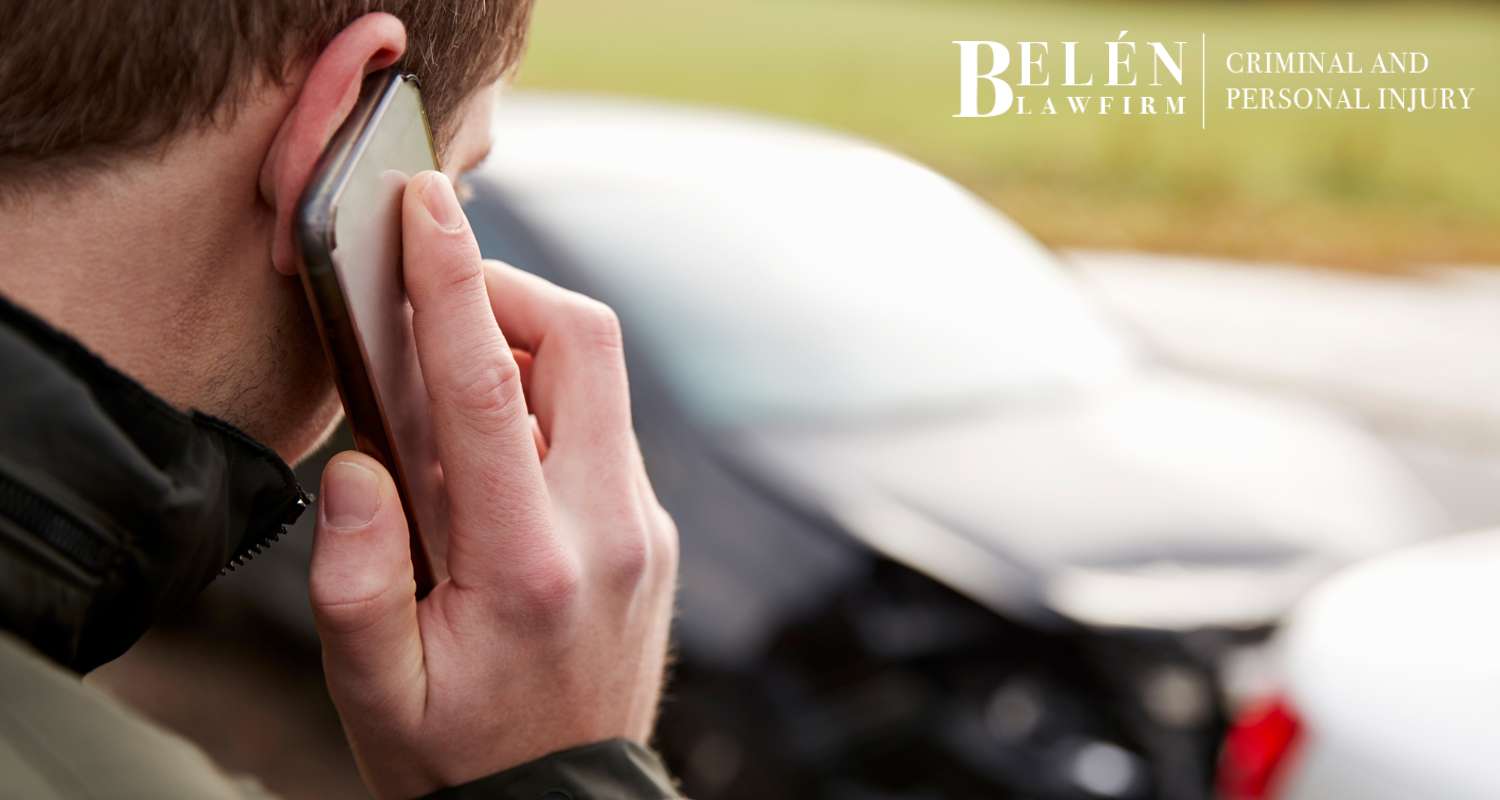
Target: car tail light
x,y
1256,749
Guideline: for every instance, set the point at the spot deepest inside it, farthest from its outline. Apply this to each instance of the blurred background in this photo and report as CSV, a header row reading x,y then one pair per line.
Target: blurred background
x,y
1012,456
1367,190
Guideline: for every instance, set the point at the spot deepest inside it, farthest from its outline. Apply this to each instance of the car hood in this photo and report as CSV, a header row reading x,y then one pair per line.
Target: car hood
x,y
1161,502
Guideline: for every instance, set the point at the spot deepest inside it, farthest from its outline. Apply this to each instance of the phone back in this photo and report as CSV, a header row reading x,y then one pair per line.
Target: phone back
x,y
368,174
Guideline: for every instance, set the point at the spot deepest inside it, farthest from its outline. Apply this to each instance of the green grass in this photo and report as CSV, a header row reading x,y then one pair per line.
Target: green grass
x,y
1364,189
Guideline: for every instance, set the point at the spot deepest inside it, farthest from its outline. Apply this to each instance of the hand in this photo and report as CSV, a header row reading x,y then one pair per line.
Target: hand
x,y
551,628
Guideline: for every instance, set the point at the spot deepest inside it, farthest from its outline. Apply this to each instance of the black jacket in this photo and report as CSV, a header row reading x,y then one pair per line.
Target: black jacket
x,y
115,507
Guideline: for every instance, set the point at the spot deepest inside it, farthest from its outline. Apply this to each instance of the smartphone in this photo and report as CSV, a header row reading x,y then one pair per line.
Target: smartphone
x,y
348,228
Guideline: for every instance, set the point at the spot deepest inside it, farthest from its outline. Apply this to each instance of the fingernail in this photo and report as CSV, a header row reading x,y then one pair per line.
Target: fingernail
x,y
351,495
441,202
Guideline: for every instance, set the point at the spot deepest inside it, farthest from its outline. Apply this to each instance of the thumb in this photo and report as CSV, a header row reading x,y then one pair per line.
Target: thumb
x,y
363,595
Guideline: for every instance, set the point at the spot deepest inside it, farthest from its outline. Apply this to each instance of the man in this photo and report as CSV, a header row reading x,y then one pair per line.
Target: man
x,y
150,158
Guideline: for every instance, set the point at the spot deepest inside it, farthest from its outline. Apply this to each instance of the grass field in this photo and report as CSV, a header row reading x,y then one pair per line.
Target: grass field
x,y
1365,189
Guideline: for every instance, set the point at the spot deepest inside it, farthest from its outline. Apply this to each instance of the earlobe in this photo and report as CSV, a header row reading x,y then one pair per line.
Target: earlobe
x,y
324,99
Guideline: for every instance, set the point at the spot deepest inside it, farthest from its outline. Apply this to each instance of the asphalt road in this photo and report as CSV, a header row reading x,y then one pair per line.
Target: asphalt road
x,y
1415,358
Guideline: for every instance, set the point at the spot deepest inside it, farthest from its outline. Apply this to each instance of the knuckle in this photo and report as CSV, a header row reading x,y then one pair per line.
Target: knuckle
x,y
629,556
643,549
549,591
348,606
597,326
451,271
489,394
459,273
665,540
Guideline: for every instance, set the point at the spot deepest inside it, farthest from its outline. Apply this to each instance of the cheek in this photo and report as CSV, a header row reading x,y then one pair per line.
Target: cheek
x,y
472,139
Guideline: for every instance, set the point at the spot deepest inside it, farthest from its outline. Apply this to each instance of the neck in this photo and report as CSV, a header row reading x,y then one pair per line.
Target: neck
x,y
123,260
161,265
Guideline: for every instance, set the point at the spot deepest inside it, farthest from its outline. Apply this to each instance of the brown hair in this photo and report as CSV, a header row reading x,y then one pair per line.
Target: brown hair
x,y
85,81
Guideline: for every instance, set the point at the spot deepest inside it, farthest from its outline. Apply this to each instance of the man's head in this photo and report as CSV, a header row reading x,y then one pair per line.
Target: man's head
x,y
151,155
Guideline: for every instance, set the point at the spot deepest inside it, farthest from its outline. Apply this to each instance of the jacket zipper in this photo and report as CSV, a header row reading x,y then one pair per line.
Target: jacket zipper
x,y
255,545
65,534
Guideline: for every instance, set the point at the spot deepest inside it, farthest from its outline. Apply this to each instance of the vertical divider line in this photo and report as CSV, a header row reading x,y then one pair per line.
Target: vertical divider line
x,y
1203,84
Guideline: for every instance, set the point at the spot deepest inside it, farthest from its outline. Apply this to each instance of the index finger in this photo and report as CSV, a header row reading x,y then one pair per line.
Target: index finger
x,y
498,508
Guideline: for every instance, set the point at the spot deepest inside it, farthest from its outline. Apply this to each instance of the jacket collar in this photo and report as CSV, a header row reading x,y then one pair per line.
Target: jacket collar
x,y
114,506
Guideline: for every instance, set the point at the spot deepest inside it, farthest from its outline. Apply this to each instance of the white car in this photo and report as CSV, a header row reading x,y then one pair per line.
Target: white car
x,y
849,373
1390,685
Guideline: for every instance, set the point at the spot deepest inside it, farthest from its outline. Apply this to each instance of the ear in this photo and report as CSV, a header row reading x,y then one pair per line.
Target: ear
x,y
324,100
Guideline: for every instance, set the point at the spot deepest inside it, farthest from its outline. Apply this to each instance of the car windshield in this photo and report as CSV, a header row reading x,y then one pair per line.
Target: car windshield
x,y
845,288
